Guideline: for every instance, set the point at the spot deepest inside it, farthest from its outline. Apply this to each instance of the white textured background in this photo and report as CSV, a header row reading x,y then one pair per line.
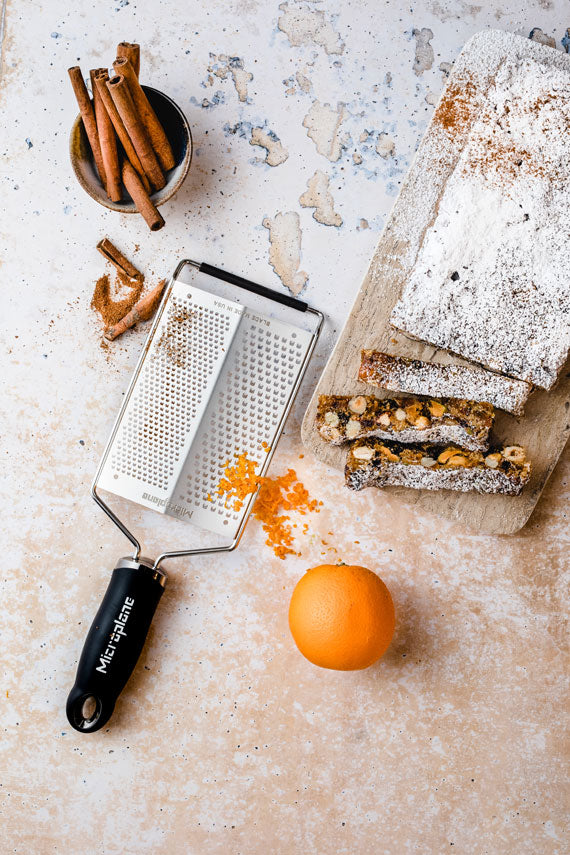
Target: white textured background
x,y
227,740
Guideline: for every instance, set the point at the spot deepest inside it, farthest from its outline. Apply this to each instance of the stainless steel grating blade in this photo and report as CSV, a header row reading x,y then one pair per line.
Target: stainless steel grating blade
x,y
214,382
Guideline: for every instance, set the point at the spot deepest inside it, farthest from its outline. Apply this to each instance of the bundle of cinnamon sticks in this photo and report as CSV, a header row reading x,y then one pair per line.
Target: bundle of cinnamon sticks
x,y
130,147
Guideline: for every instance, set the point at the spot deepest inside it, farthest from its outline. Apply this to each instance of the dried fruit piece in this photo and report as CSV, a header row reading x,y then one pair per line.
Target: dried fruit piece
x,y
445,455
412,411
389,455
436,409
457,460
421,423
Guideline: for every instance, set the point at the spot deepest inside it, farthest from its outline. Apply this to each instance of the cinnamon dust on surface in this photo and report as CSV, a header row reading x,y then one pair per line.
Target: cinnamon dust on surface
x,y
112,311
455,114
455,108
278,494
153,305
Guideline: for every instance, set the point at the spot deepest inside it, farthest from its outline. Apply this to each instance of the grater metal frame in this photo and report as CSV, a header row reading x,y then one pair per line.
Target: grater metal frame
x,y
247,285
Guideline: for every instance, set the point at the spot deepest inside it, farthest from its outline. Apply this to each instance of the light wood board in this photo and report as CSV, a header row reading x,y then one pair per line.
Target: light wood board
x,y
545,426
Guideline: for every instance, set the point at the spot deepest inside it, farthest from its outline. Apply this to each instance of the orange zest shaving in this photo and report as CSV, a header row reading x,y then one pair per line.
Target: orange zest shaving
x,y
282,493
239,481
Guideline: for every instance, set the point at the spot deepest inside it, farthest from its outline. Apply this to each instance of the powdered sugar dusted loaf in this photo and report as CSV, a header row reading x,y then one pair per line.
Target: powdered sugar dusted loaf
x,y
374,463
399,374
490,282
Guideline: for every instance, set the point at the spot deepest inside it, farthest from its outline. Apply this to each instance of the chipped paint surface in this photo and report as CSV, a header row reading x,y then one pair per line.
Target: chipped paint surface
x,y
222,67
385,145
537,35
423,59
304,24
319,197
285,249
275,152
226,740
323,125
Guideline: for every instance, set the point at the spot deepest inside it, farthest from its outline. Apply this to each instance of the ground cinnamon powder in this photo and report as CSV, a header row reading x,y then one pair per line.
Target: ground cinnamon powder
x,y
454,110
278,494
112,311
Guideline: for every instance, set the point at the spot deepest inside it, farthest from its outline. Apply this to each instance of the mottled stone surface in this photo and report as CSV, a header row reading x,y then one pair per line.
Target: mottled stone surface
x,y
227,740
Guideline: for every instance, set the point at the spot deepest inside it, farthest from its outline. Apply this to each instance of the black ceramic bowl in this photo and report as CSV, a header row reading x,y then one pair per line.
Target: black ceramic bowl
x,y
178,132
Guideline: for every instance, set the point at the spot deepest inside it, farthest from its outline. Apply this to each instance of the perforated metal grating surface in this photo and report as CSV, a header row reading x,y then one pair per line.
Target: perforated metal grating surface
x,y
169,395
245,410
214,382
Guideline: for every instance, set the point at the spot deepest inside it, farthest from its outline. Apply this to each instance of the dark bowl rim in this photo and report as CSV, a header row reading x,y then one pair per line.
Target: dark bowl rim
x,y
160,196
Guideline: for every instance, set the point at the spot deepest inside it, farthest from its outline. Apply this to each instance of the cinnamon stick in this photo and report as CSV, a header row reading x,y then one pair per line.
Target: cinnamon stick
x,y
141,198
88,116
141,311
155,130
136,130
132,52
107,140
101,83
118,260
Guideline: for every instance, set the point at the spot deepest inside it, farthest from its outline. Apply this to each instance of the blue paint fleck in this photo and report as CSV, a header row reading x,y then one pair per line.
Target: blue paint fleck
x,y
205,104
565,41
56,35
29,143
67,209
242,129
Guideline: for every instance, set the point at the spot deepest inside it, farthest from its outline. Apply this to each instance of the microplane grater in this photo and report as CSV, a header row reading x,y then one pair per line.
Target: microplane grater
x,y
216,379
214,382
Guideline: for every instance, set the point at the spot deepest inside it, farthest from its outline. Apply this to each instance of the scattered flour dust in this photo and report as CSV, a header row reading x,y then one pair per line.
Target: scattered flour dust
x,y
277,494
490,281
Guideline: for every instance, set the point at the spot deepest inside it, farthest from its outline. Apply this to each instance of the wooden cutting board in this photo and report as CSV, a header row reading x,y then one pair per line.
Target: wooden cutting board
x,y
544,428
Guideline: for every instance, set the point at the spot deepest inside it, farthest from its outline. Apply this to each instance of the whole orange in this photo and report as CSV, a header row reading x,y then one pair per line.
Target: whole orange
x,y
341,616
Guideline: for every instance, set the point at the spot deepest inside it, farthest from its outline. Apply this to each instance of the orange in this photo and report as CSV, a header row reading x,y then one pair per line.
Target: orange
x,y
341,617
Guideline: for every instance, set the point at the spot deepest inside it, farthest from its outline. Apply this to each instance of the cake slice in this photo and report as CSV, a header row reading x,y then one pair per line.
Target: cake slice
x,y
430,467
342,418
399,374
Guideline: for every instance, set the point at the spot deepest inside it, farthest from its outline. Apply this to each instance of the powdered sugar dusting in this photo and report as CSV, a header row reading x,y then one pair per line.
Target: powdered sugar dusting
x,y
480,480
489,282
399,374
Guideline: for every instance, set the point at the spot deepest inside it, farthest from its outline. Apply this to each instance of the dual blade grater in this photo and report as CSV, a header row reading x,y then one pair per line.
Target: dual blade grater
x,y
216,378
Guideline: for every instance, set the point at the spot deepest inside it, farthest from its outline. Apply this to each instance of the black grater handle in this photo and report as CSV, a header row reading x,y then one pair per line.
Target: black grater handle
x,y
292,302
114,643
